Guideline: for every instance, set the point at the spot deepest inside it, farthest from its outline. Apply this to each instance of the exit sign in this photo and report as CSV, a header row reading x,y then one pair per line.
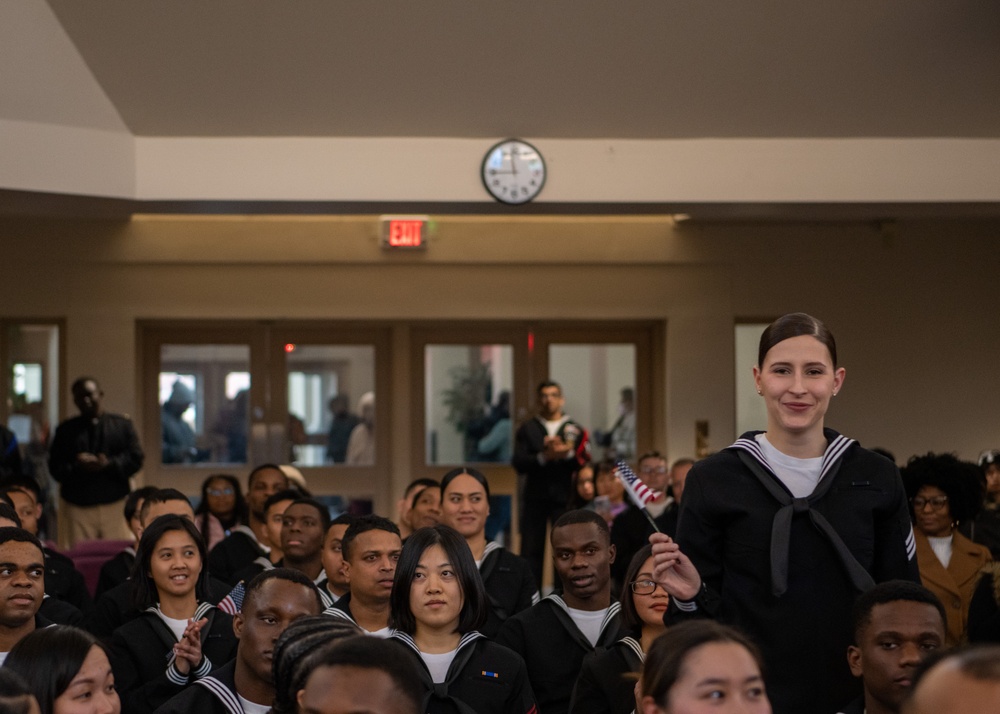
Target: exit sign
x,y
404,232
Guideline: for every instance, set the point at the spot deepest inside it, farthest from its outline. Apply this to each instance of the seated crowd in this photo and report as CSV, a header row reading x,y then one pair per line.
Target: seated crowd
x,y
291,610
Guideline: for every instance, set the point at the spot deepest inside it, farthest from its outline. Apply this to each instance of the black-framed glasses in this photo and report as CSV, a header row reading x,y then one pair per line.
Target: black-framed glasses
x,y
936,503
643,587
220,492
653,470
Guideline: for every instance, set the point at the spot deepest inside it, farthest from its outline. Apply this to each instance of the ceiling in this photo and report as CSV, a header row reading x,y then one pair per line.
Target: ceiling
x,y
567,69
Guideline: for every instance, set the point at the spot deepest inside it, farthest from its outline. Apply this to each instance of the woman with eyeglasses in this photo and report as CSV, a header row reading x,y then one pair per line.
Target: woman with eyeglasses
x,y
604,685
222,508
787,526
944,492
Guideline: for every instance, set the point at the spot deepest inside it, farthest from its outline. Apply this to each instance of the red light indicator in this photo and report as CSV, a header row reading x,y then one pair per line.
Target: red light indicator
x,y
404,232
531,342
290,347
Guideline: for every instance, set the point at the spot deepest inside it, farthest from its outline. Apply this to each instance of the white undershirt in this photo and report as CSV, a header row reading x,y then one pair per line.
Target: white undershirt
x,y
3,658
589,622
941,548
253,708
176,626
438,664
800,476
384,633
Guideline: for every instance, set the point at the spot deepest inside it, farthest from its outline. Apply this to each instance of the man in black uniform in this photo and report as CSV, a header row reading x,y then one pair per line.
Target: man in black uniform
x,y
548,450
92,456
556,634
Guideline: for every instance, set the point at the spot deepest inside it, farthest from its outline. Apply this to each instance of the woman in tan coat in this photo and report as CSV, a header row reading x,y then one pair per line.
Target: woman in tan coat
x,y
943,492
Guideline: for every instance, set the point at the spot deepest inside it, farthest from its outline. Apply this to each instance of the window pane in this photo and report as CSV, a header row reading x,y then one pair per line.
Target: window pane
x,y
204,393
331,404
33,365
750,410
598,383
467,408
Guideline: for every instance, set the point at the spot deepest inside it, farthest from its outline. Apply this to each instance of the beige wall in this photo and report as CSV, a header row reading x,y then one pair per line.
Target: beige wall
x,y
914,306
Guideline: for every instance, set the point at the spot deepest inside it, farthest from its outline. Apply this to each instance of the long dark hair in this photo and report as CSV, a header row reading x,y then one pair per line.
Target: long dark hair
x,y
144,592
239,506
49,658
630,616
474,605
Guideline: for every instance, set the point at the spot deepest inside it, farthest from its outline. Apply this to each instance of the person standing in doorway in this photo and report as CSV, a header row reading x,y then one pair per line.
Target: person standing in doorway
x,y
93,455
548,450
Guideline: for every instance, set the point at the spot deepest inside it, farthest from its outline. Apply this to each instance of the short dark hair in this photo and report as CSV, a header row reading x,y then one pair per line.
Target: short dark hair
x,y
285,494
654,454
362,525
132,501
891,591
143,589
7,511
795,324
582,515
264,467
343,519
15,696
375,653
422,482
160,495
475,603
19,535
960,481
465,471
546,384
49,658
80,381
630,616
292,576
980,662
323,511
665,659
294,650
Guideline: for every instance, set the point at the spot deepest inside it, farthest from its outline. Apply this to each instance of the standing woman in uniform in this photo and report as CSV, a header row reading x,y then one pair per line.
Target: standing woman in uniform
x,y
507,578
788,526
436,608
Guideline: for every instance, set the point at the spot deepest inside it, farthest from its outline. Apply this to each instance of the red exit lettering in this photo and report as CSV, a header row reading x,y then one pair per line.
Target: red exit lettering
x,y
405,234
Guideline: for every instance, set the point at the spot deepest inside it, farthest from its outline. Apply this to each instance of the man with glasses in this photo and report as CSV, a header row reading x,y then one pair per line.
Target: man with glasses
x,y
631,529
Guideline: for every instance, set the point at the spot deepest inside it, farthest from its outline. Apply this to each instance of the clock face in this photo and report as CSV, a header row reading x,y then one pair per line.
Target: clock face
x,y
513,171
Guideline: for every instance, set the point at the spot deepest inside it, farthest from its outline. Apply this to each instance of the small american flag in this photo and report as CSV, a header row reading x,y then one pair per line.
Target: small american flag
x,y
233,602
640,493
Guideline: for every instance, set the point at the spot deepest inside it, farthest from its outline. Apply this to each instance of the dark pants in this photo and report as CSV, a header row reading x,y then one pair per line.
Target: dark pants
x,y
536,514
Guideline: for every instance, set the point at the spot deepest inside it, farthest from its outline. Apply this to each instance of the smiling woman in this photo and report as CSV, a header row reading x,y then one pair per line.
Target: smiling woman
x,y
169,588
794,521
437,604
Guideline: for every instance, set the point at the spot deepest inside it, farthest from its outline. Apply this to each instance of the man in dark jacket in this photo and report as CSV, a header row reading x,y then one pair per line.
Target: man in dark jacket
x,y
92,456
548,450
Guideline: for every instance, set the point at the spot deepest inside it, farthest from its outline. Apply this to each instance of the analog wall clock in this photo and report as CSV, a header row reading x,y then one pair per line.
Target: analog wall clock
x,y
513,171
